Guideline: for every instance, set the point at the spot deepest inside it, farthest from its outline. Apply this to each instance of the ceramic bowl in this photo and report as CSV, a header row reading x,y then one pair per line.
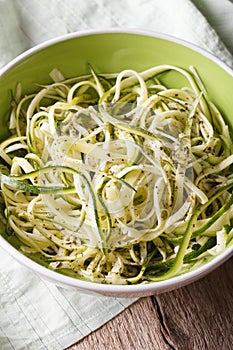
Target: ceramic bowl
x,y
112,51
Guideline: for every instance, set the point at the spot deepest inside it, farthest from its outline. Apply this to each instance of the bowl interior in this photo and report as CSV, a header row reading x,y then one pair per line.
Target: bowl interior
x,y
108,53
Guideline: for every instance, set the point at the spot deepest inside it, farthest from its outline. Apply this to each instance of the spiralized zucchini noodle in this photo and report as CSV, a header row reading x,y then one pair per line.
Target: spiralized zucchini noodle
x,y
118,178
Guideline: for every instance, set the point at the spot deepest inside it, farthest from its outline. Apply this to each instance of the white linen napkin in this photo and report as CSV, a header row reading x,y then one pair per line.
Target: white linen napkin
x,y
35,314
25,23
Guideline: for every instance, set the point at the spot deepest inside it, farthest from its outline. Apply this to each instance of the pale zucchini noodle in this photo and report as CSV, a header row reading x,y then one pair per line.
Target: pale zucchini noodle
x,y
117,178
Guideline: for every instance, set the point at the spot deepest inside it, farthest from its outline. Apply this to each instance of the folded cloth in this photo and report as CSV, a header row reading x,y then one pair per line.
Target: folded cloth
x,y
34,313
25,23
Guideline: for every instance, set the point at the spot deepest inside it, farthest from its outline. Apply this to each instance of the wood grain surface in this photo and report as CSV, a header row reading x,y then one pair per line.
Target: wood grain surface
x,y
195,317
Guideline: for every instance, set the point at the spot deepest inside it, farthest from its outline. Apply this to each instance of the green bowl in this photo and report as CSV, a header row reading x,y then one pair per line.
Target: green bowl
x,y
109,52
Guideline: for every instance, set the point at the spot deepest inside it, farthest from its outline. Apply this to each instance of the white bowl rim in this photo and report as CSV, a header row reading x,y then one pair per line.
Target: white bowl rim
x,y
115,289
120,289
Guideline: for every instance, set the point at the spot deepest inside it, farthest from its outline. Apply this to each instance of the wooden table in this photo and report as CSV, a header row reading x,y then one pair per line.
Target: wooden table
x,y
195,317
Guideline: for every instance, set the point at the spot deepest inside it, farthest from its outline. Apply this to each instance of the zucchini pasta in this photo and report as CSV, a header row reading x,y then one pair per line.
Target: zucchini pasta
x,y
118,178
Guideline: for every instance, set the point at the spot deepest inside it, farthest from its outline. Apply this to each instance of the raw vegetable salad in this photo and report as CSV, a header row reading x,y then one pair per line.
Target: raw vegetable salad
x,y
117,178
